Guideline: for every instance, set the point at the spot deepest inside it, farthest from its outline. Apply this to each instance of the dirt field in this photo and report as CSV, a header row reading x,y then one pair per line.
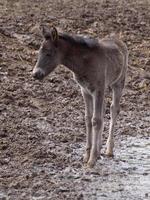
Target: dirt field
x,y
42,129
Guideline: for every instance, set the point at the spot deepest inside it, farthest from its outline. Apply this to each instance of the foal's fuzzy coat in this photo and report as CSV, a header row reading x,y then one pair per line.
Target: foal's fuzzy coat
x,y
95,65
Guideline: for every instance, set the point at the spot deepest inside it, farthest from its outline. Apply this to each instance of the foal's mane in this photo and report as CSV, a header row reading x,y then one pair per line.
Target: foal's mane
x,y
80,41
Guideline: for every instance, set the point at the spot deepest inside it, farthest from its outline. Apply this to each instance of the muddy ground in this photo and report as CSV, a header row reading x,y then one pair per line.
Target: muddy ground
x,y
42,129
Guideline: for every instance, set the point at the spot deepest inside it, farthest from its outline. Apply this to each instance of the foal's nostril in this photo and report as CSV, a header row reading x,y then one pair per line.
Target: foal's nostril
x,y
38,75
34,75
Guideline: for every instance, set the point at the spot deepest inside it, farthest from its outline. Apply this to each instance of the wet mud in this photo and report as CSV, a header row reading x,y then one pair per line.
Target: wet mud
x,y
42,129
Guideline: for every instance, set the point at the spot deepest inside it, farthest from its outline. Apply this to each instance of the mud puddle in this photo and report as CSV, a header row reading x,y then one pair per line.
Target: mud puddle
x,y
42,128
127,176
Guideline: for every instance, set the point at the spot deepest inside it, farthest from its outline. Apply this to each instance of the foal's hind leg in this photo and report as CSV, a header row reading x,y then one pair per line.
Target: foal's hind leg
x,y
88,121
114,111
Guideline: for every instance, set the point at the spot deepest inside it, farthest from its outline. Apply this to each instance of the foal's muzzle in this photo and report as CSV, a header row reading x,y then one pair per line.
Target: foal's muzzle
x,y
38,74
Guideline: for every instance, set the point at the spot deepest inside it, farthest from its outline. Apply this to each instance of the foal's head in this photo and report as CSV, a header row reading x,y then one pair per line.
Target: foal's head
x,y
48,57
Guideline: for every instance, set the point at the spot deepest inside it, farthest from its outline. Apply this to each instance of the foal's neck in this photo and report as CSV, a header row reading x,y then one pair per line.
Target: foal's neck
x,y
71,56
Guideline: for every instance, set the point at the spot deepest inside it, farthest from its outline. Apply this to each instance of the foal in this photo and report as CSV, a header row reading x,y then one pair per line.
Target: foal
x,y
95,66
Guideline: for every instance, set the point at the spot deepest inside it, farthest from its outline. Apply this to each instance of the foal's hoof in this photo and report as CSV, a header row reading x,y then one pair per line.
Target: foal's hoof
x,y
109,154
98,155
91,163
86,156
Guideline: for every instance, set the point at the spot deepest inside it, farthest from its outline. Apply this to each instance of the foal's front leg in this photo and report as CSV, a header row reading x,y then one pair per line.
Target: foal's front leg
x,y
97,125
88,120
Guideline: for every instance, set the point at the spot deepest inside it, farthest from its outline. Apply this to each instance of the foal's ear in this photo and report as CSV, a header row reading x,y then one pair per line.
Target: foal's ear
x,y
54,34
51,34
45,32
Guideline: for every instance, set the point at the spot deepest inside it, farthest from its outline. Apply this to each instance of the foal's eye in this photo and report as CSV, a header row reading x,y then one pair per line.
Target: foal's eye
x,y
49,53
